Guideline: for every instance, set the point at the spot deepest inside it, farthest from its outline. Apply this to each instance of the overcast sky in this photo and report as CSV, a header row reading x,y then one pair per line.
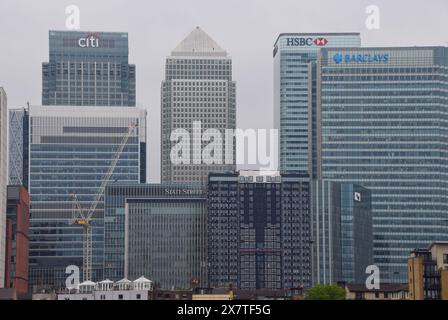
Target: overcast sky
x,y
247,29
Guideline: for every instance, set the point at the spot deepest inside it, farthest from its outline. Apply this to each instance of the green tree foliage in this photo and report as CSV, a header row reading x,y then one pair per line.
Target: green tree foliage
x,y
325,292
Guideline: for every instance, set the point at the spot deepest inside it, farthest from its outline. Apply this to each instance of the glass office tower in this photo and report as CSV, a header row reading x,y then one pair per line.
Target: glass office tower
x,y
158,230
342,232
259,230
88,69
166,236
295,116
198,87
71,149
18,147
384,126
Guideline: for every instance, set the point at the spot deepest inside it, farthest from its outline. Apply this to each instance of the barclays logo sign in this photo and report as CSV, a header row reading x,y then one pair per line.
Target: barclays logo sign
x,y
360,58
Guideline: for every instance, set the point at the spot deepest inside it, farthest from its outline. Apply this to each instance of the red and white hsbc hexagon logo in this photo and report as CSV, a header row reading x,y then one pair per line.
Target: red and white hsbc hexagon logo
x,y
320,41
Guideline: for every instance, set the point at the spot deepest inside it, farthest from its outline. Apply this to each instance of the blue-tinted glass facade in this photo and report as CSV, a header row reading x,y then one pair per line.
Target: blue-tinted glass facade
x,y
342,232
165,234
18,147
88,69
259,231
157,199
71,149
295,98
384,126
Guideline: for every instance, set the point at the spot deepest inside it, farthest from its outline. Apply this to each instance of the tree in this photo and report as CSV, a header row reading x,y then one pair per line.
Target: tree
x,y
325,292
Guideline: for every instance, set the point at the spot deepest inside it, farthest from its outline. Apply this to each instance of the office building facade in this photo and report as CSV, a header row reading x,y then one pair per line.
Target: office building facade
x,y
295,116
259,230
158,230
17,240
71,150
383,126
198,88
18,146
342,232
88,69
3,180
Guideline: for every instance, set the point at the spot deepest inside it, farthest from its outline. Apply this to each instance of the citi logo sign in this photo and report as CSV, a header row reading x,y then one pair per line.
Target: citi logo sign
x,y
91,40
306,42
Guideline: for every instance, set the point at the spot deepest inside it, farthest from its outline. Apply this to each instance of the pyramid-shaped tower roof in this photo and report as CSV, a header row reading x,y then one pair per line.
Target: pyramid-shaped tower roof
x,y
198,43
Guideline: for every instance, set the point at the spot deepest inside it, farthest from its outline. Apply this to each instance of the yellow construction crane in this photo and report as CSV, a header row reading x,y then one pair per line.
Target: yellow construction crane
x,y
84,220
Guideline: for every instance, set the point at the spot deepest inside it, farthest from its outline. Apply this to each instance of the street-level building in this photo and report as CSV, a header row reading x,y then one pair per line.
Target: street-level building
x,y
428,273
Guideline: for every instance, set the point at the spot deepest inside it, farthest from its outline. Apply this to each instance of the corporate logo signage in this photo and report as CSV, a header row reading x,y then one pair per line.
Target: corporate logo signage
x,y
305,42
358,196
91,40
360,58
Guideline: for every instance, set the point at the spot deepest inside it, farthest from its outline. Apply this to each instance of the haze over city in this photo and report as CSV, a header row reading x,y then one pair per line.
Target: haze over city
x,y
246,29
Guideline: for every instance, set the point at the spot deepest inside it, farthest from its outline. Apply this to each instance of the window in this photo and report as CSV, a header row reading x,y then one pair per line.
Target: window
x,y
445,259
138,296
120,297
377,295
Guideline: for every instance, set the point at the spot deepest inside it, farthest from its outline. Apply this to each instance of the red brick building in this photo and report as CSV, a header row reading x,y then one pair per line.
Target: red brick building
x,y
17,243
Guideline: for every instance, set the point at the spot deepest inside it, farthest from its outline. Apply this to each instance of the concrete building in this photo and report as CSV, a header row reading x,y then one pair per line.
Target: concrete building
x,y
18,147
198,87
3,180
295,100
17,240
342,232
158,230
387,291
259,230
88,69
382,126
139,289
71,150
428,273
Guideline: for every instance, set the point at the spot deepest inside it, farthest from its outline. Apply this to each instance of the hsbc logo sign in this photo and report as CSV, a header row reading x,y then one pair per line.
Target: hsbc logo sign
x,y
306,42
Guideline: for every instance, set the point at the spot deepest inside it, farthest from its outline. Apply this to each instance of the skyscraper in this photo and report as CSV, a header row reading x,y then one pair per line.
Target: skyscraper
x,y
259,230
18,146
342,232
3,180
88,69
295,116
384,127
71,149
198,86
